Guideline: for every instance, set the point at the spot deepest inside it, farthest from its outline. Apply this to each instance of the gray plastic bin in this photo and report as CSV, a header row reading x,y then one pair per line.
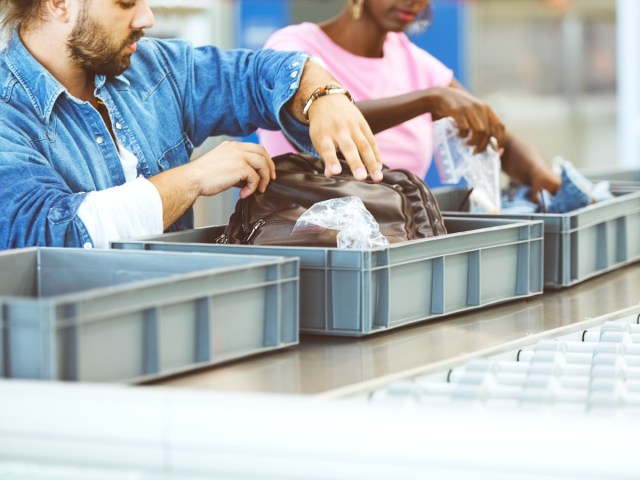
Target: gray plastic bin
x,y
578,245
107,315
360,292
622,180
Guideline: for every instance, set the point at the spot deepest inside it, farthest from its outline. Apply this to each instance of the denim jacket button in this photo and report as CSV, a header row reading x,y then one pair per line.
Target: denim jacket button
x,y
100,140
118,126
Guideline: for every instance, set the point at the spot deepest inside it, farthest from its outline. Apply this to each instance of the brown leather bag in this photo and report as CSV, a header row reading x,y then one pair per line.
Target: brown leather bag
x,y
402,204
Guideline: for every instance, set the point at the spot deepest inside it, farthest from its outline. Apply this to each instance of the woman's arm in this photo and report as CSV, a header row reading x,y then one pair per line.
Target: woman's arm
x,y
520,159
472,116
523,162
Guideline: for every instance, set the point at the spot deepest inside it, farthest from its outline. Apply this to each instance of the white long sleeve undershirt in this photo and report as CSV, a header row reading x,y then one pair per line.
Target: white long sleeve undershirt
x,y
126,211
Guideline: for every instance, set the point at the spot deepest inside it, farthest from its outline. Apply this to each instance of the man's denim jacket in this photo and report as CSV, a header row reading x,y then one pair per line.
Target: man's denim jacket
x,y
54,148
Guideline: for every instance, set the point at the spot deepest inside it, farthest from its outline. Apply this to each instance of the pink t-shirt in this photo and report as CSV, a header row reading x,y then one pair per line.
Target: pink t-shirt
x,y
404,68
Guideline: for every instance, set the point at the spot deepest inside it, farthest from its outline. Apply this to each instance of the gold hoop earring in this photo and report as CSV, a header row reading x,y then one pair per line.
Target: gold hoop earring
x,y
356,8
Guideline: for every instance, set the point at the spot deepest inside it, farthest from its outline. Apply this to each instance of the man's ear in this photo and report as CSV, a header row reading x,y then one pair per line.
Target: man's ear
x,y
58,9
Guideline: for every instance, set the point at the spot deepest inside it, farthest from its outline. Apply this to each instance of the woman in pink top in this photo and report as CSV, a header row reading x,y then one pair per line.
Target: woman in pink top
x,y
401,89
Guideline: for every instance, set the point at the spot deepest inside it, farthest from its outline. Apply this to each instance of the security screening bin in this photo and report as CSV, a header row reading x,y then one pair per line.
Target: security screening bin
x,y
578,245
613,174
125,316
361,292
623,180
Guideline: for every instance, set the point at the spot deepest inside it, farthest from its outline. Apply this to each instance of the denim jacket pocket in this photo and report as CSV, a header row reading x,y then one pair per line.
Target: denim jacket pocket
x,y
177,155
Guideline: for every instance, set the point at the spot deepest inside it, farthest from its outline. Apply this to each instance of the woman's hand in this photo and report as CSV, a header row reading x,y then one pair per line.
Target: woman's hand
x,y
475,119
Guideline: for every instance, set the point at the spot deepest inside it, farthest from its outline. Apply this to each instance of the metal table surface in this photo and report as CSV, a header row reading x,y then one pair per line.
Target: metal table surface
x,y
320,365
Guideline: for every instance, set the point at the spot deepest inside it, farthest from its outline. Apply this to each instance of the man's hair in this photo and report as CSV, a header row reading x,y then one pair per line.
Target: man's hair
x,y
18,13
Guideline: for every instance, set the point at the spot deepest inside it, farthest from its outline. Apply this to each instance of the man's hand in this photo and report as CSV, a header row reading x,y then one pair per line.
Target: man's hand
x,y
239,164
234,164
335,123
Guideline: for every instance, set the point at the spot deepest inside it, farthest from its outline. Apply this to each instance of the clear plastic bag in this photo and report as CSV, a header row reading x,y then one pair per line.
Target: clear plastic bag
x,y
357,229
457,161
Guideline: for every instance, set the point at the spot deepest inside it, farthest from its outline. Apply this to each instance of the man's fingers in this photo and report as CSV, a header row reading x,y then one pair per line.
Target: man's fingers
x,y
251,182
361,154
370,155
327,150
352,156
257,158
336,124
239,164
260,164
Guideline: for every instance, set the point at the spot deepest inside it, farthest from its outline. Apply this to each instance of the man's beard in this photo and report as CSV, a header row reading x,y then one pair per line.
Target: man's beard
x,y
94,49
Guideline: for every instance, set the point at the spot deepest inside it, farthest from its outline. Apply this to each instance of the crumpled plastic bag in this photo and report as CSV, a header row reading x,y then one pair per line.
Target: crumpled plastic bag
x,y
357,229
456,161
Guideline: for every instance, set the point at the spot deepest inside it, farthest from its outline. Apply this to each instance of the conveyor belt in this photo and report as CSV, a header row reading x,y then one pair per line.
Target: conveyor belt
x,y
586,367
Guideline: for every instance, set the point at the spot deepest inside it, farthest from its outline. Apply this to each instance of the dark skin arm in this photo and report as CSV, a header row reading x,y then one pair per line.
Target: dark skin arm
x,y
471,115
520,160
524,163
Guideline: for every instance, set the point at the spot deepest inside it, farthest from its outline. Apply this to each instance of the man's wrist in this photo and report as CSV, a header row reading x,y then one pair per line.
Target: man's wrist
x,y
320,92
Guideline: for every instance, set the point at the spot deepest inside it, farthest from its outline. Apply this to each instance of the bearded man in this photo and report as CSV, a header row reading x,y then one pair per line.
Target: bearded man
x,y
98,124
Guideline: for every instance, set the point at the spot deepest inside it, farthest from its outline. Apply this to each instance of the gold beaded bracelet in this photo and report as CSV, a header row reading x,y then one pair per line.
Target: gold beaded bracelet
x,y
321,92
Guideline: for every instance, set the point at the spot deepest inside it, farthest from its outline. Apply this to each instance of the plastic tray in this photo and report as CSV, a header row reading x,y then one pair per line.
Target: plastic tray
x,y
91,315
360,292
613,174
623,180
580,244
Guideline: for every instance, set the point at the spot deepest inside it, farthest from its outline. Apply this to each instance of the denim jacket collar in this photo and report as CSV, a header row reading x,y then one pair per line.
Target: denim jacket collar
x,y
43,88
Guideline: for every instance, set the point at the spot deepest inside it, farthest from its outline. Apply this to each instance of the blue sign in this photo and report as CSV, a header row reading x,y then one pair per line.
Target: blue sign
x,y
256,20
